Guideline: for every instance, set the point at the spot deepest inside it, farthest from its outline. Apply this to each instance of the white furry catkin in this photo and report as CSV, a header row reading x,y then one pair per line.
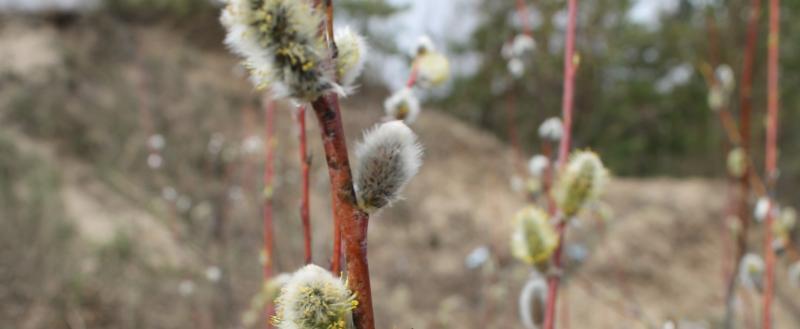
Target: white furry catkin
x,y
787,218
522,45
516,66
751,271
532,301
761,209
352,56
424,44
737,162
387,158
726,79
280,46
533,239
402,105
433,69
717,99
313,298
537,165
581,181
551,129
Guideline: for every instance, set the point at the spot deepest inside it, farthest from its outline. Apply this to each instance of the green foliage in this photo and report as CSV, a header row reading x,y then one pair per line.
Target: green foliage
x,y
622,108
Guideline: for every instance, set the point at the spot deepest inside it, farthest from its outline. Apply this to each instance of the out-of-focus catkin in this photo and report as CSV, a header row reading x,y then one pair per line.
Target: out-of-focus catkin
x,y
534,239
581,181
352,56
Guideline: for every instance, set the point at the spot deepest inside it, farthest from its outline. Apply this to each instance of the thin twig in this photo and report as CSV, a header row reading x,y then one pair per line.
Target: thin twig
x,y
522,12
269,148
569,85
771,161
327,31
745,109
329,28
412,77
346,213
305,161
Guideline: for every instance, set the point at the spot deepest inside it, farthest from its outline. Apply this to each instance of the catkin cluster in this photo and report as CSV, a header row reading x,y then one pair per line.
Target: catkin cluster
x,y
283,49
430,68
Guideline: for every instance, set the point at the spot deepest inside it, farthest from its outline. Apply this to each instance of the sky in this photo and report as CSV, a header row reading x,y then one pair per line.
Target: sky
x,y
438,19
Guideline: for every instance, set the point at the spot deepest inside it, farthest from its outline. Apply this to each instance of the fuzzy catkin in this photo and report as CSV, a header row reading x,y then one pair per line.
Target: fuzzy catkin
x,y
751,271
387,158
281,47
581,181
402,105
551,129
314,299
737,162
433,69
352,56
534,239
537,165
532,301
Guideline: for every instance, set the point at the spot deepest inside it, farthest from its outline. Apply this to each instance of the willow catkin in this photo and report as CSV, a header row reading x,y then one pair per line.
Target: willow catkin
x,y
386,160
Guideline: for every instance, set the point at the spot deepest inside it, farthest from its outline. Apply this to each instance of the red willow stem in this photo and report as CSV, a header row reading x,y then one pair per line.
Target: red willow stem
x,y
305,217
549,172
729,125
350,222
745,110
567,102
771,162
412,77
569,83
522,11
326,30
746,98
269,149
554,279
353,220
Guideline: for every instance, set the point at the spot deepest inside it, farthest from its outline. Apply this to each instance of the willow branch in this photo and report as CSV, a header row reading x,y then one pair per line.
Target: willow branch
x,y
352,220
269,149
305,217
745,110
522,12
567,104
771,161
